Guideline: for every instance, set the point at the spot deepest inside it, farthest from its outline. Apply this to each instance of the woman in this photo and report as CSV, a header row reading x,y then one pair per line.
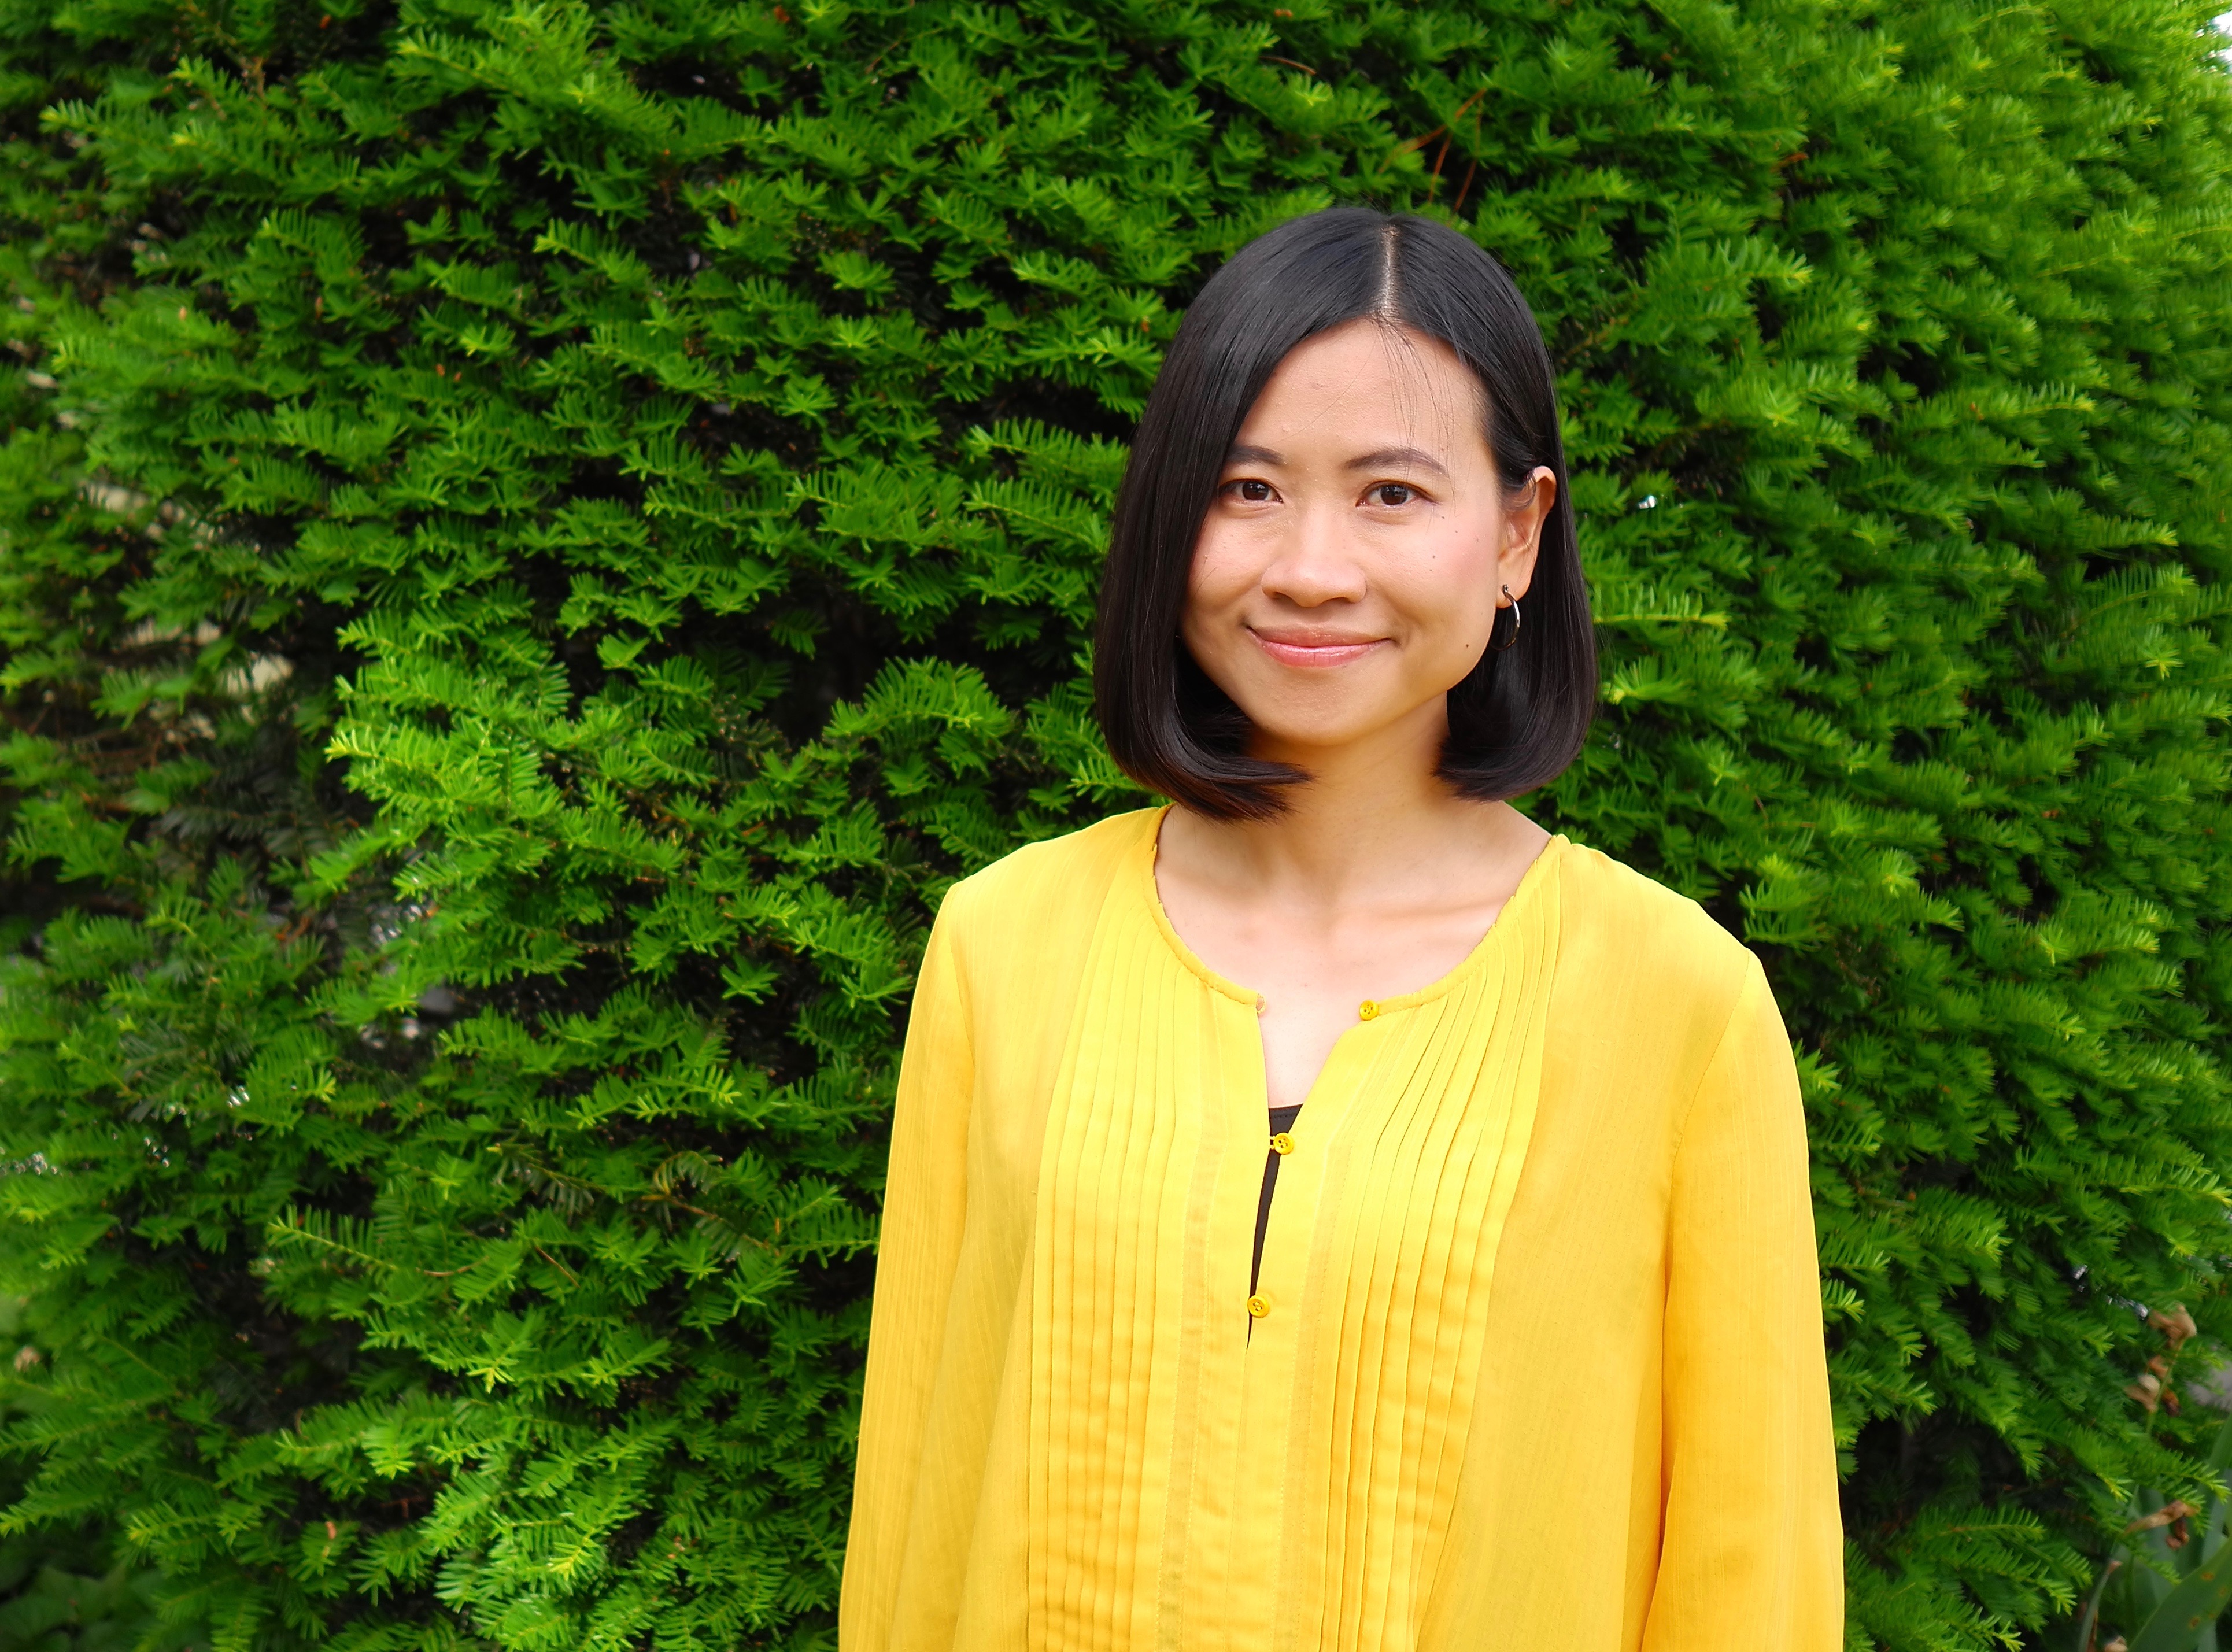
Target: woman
x,y
1332,1212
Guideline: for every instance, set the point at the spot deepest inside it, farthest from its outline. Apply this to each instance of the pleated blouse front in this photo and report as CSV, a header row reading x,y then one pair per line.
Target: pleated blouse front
x,y
1080,1430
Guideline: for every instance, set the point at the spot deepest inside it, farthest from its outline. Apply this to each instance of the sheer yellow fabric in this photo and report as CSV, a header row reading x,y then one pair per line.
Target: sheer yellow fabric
x,y
1537,1357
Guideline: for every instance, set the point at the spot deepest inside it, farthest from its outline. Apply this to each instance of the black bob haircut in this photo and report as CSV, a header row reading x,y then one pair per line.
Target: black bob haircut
x,y
1520,717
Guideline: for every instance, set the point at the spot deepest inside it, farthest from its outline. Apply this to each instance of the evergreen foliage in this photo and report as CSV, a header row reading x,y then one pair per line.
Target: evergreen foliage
x,y
66,1590
535,539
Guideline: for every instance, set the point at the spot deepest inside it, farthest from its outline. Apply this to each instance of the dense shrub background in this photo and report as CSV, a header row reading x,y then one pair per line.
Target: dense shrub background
x,y
535,539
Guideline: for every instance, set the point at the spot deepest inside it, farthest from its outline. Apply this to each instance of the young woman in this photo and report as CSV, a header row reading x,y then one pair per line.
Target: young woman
x,y
1330,1212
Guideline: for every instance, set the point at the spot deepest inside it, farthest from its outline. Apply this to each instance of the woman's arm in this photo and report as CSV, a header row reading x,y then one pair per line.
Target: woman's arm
x,y
1751,1546
925,1202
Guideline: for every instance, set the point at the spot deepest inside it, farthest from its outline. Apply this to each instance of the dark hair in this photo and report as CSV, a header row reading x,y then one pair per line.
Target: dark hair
x,y
1519,716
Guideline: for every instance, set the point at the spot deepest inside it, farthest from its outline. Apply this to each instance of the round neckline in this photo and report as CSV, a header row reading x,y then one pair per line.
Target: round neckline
x,y
1529,881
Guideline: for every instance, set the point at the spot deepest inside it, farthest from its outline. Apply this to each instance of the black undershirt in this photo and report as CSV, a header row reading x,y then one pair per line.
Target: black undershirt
x,y
1283,1120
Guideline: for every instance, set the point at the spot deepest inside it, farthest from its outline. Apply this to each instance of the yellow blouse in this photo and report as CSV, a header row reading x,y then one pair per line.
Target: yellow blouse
x,y
1542,1366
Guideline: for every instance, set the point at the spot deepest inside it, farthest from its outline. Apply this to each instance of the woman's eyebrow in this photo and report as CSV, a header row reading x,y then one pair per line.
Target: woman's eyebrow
x,y
1241,453
1398,458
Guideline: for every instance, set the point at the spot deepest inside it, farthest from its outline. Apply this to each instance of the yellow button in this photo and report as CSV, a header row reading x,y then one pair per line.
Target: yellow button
x,y
1366,1010
1282,1143
1258,1306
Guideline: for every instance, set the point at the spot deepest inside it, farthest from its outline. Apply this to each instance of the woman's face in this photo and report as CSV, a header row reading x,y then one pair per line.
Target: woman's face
x,y
1351,565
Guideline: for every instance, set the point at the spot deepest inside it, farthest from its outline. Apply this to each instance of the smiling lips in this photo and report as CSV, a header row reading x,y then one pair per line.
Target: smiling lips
x,y
1314,648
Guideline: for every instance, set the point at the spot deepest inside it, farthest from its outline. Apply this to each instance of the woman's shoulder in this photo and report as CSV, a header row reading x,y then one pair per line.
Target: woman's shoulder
x,y
1623,919
1052,885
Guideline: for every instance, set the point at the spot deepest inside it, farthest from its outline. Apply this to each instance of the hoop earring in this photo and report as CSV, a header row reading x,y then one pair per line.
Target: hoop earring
x,y
1506,642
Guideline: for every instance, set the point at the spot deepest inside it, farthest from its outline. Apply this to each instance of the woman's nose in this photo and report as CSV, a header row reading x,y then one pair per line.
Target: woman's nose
x,y
1314,562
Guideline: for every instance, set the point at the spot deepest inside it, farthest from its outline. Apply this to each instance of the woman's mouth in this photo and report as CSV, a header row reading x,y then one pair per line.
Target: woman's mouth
x,y
1293,646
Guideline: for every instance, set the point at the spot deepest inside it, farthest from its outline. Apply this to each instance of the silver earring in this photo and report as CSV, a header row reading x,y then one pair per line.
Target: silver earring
x,y
1513,637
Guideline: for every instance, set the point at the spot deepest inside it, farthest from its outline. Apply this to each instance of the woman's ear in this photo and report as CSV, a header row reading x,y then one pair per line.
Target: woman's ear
x,y
1524,513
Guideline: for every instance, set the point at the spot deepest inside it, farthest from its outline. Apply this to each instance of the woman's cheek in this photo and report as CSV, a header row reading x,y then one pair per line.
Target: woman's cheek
x,y
1217,580
1206,626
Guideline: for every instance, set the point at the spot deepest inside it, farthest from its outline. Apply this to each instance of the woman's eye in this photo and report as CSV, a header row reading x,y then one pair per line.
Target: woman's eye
x,y
1390,493
1254,492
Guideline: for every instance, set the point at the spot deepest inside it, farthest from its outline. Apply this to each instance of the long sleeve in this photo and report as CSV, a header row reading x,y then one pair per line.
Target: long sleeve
x,y
1750,1548
926,1205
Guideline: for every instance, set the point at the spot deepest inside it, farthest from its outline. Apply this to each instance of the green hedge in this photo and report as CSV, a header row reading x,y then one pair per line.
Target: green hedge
x,y
534,541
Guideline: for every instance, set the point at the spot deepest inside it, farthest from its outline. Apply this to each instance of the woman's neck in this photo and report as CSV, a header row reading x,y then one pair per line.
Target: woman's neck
x,y
1376,880
1373,819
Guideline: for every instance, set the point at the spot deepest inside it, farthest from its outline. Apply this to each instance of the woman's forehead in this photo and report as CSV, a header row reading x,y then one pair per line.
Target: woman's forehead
x,y
1371,388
